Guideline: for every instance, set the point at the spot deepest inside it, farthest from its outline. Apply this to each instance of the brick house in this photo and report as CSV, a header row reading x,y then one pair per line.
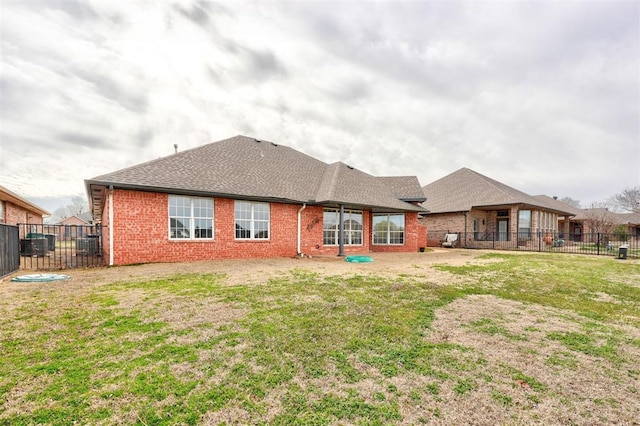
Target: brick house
x,y
483,209
593,220
15,209
246,198
71,227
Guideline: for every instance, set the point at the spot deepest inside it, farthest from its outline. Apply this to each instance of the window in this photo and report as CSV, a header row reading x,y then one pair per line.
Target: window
x,y
252,220
524,224
1,211
352,227
190,217
503,213
388,229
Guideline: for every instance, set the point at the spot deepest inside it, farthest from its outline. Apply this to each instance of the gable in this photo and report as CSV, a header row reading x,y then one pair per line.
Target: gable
x,y
466,189
247,168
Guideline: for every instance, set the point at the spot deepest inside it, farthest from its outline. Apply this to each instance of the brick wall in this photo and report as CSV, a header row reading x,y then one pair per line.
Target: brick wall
x,y
141,233
439,224
15,214
415,236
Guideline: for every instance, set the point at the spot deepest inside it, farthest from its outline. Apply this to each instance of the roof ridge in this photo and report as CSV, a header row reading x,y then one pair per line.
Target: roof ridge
x,y
181,153
327,185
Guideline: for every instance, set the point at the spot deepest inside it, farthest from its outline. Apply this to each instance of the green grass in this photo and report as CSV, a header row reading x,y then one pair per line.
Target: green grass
x,y
301,349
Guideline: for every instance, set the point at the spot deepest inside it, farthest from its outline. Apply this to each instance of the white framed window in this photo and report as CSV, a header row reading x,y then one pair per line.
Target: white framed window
x,y
252,220
353,225
190,218
388,229
1,211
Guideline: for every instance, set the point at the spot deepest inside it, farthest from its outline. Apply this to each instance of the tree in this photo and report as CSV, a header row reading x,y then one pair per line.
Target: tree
x,y
628,200
571,202
599,218
77,207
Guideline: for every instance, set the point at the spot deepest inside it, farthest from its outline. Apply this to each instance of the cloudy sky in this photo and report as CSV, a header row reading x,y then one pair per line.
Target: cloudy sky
x,y
541,95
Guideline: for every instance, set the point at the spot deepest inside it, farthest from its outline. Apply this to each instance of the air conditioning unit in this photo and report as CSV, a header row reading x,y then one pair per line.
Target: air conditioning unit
x,y
89,246
34,247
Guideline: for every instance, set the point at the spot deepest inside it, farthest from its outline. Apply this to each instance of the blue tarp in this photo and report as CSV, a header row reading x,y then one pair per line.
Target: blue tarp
x,y
40,278
356,259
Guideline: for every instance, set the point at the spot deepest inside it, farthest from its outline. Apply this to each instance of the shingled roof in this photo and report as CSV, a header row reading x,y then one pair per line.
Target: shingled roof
x,y
466,189
248,168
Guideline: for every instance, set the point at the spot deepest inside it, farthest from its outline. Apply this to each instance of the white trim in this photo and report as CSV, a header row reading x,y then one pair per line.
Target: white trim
x,y
388,231
192,219
110,226
304,206
347,212
253,221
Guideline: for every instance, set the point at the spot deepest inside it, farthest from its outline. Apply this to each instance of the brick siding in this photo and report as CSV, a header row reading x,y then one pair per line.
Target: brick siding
x,y
15,214
141,224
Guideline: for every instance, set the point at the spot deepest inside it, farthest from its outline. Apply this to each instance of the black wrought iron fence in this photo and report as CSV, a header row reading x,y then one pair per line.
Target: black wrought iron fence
x,y
49,247
9,247
602,244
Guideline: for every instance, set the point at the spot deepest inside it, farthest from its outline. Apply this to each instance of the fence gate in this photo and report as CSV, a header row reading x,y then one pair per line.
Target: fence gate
x,y
9,249
51,247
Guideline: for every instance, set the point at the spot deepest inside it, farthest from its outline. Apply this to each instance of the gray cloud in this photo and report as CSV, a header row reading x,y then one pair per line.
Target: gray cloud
x,y
75,9
79,139
132,97
540,95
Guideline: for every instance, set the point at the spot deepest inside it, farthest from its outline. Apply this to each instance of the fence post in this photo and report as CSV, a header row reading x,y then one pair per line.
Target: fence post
x,y
493,239
539,241
598,245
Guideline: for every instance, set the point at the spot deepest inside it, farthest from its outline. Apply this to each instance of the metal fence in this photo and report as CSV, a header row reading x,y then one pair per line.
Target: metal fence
x,y
9,243
49,247
601,244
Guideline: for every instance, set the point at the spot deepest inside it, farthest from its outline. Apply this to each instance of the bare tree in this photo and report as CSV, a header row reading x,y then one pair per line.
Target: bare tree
x,y
571,202
77,207
628,200
599,218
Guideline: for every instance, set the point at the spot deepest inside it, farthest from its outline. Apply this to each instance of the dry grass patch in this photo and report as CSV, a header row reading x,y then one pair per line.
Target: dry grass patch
x,y
578,383
445,337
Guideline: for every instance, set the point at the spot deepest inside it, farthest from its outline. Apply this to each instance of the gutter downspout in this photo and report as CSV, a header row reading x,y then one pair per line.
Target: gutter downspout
x,y
304,206
111,225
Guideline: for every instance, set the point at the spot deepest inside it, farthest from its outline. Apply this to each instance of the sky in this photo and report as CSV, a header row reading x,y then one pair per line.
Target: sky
x,y
543,96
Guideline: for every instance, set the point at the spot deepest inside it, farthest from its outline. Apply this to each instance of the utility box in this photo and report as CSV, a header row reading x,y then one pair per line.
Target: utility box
x,y
36,247
622,252
88,246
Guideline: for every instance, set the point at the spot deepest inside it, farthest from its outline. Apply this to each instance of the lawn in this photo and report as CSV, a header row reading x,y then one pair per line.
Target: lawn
x,y
494,339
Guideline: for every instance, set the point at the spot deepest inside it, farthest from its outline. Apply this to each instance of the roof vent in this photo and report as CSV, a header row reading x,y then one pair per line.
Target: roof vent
x,y
274,144
349,167
258,140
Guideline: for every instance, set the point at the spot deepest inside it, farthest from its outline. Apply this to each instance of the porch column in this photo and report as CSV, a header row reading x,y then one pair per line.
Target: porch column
x,y
341,231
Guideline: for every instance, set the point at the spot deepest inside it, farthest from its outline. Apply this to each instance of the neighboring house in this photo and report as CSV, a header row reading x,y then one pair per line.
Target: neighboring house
x,y
246,198
631,221
568,226
14,209
593,221
483,209
70,228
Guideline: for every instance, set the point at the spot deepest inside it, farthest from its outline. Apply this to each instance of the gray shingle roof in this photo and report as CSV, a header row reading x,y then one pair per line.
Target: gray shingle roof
x,y
465,189
243,167
558,205
406,188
